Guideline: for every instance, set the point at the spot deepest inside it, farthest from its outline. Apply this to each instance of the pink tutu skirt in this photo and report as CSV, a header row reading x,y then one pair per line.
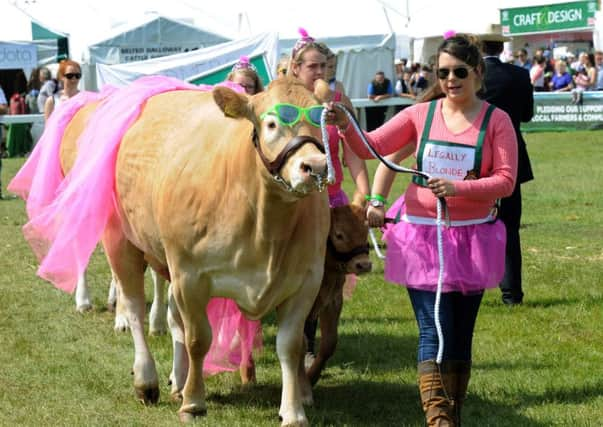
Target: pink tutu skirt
x,y
474,255
234,337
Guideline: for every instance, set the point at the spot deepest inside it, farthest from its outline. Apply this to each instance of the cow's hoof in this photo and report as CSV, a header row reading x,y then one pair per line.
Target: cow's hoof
x,y
157,332
189,417
84,308
296,423
148,396
121,323
176,396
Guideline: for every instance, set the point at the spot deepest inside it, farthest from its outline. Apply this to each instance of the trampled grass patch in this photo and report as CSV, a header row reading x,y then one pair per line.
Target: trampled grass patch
x,y
539,364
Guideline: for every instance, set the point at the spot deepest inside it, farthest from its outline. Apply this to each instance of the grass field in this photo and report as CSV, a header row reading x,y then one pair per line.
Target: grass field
x,y
539,364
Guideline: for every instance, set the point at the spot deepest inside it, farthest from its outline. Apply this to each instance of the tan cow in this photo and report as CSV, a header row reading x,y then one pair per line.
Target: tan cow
x,y
227,202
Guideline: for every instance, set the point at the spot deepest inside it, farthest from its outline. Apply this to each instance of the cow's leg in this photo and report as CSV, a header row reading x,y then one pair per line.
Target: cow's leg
x,y
158,316
180,357
112,297
290,349
191,296
128,264
82,294
121,316
329,321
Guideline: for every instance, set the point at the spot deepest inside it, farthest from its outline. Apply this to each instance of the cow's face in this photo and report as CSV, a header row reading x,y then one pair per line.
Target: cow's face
x,y
348,238
286,120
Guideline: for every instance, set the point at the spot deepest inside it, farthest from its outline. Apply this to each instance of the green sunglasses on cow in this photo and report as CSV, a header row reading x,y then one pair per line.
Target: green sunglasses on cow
x,y
290,115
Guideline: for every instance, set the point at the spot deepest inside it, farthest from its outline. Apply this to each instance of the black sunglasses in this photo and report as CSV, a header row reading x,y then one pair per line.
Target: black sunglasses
x,y
73,76
460,72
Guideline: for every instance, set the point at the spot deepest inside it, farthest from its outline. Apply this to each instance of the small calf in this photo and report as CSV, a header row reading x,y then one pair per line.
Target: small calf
x,y
347,253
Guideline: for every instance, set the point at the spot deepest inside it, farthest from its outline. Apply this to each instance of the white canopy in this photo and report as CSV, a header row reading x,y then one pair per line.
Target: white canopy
x,y
187,65
149,37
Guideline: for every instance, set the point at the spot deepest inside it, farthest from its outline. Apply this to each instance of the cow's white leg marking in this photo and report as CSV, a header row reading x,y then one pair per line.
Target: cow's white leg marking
x,y
191,296
289,347
121,316
180,357
158,316
82,294
112,297
128,264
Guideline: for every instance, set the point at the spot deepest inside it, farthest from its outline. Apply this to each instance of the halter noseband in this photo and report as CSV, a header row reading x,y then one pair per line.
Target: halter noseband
x,y
274,167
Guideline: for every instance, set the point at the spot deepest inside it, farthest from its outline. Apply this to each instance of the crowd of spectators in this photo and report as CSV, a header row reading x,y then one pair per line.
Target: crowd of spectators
x,y
548,73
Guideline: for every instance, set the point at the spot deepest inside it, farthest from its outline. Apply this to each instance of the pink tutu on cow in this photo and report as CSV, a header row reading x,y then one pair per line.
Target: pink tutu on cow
x,y
234,337
474,255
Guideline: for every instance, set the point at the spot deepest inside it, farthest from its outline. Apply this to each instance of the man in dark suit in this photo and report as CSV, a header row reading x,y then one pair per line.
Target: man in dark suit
x,y
508,87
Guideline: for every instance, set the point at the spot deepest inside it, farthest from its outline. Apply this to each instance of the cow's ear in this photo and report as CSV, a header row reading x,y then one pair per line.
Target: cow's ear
x,y
230,102
322,91
359,199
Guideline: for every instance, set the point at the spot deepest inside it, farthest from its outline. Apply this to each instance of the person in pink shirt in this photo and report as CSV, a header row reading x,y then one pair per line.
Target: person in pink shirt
x,y
468,149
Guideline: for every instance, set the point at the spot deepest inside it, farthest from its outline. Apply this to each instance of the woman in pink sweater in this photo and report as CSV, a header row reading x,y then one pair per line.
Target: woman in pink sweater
x,y
468,148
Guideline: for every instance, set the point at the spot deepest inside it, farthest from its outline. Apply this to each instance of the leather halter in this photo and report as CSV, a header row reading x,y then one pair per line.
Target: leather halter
x,y
274,167
346,256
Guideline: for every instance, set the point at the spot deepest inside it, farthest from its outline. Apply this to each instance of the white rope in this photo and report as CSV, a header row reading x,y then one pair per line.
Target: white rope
x,y
436,307
440,240
325,140
375,244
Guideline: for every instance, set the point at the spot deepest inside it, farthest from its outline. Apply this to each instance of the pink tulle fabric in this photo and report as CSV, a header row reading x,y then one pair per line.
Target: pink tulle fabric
x,y
474,255
67,215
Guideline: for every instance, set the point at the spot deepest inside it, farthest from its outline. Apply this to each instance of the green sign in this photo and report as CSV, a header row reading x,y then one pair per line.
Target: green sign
x,y
577,15
218,75
556,112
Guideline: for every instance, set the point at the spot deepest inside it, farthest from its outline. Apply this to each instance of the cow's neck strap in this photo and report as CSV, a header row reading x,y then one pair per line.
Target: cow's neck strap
x,y
274,166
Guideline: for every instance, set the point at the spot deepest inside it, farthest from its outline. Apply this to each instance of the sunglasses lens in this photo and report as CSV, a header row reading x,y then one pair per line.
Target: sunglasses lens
x,y
443,73
314,115
287,113
73,76
461,72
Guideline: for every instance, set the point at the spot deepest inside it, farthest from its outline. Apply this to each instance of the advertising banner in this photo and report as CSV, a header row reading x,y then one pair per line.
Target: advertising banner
x,y
579,15
18,55
556,112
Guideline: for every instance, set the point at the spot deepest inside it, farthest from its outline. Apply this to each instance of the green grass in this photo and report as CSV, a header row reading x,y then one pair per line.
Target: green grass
x,y
540,364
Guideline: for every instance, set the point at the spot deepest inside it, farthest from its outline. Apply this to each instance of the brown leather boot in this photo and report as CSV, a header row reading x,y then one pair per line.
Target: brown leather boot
x,y
463,373
434,398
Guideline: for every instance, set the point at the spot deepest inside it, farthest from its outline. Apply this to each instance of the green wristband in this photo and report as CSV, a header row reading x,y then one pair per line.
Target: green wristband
x,y
376,197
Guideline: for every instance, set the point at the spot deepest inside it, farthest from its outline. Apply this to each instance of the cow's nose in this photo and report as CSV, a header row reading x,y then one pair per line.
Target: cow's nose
x,y
314,165
364,266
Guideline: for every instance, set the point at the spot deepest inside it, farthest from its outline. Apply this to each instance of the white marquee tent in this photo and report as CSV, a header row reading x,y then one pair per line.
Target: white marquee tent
x,y
151,36
187,65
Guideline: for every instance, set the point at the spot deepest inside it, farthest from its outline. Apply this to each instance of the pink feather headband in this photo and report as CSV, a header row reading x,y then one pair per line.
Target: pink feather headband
x,y
243,63
448,34
303,41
